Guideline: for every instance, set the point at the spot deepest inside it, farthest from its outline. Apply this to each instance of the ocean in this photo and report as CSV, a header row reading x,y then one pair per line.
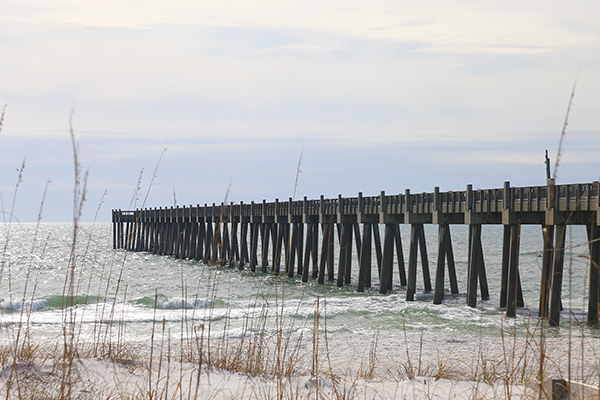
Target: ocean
x,y
120,289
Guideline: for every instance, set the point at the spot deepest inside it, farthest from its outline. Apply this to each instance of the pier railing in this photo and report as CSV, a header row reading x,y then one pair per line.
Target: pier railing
x,y
218,234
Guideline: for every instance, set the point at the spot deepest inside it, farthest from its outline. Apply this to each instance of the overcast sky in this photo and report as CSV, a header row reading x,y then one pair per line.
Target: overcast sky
x,y
381,95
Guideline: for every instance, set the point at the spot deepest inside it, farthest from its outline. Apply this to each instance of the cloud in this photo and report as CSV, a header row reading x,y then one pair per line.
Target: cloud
x,y
502,50
466,25
296,47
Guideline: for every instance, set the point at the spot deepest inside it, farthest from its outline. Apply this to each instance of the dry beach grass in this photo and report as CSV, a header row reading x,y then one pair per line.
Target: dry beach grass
x,y
274,357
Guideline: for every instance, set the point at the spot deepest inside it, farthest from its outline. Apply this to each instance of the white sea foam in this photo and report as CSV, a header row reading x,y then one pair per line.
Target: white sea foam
x,y
27,304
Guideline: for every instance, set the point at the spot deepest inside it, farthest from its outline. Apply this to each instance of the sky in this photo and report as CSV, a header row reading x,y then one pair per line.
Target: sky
x,y
193,102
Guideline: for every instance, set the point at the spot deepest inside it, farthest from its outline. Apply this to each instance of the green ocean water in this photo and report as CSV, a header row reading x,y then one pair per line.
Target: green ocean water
x,y
114,286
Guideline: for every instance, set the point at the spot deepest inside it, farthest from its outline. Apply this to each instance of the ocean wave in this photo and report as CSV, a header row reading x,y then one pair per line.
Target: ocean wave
x,y
163,302
47,302
19,304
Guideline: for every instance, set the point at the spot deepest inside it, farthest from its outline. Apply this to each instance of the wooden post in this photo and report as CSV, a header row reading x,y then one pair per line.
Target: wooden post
x,y
158,238
274,238
327,229
201,236
330,254
264,234
229,224
187,233
377,240
184,235
507,221
145,230
132,231
505,265
285,245
483,285
345,256
114,228
303,268
557,272
127,239
264,247
209,242
474,260
244,245
122,237
235,248
160,231
412,262
166,233
307,251
315,250
424,259
275,231
137,231
299,244
225,243
170,231
279,247
451,266
400,255
342,256
293,248
119,229
137,224
145,222
151,229
158,225
364,274
193,233
594,296
513,272
357,239
176,221
148,228
289,246
386,276
216,237
217,240
348,256
548,234
438,293
342,235
254,233
142,244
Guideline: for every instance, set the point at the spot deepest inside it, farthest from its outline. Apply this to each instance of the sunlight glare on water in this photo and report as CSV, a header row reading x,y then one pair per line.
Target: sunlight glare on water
x,y
124,287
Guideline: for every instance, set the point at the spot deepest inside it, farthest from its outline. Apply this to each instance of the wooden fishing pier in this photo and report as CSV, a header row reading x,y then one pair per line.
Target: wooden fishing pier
x,y
301,234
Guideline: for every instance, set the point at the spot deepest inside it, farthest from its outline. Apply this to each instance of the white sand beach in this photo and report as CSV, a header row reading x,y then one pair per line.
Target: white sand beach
x,y
346,367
